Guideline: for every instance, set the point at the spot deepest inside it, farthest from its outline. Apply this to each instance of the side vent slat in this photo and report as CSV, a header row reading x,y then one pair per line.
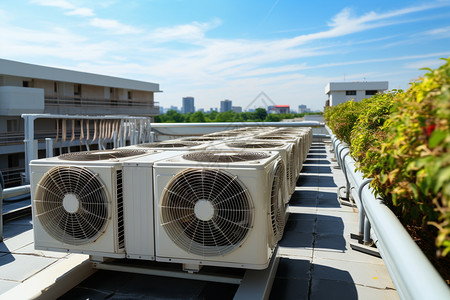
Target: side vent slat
x,y
121,229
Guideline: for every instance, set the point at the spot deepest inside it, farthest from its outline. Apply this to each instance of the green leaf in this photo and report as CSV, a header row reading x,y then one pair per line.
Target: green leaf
x,y
436,138
415,191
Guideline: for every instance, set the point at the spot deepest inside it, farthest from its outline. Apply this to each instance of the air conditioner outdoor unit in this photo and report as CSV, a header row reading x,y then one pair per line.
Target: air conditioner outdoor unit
x,y
220,208
304,132
171,145
297,149
287,154
77,202
139,205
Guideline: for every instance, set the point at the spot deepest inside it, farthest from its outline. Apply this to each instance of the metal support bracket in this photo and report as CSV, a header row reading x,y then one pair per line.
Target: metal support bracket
x,y
253,284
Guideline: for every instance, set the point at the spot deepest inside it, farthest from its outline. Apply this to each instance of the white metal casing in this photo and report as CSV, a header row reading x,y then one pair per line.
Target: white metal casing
x,y
108,244
286,151
255,251
138,204
297,149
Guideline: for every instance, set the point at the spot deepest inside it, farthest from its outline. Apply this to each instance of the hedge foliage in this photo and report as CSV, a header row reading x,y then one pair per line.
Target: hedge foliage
x,y
402,141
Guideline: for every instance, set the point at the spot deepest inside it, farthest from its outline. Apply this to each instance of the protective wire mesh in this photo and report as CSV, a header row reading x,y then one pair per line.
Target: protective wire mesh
x,y
225,157
99,154
168,145
80,226
216,235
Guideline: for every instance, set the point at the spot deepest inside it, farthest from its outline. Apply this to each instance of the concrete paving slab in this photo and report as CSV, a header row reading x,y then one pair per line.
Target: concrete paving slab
x,y
18,267
365,274
29,250
7,285
13,243
283,288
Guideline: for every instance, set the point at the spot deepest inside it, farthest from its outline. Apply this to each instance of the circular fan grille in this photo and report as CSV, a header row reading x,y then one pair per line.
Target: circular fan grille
x,y
71,204
225,157
206,212
277,210
168,145
254,145
99,155
224,134
202,139
274,137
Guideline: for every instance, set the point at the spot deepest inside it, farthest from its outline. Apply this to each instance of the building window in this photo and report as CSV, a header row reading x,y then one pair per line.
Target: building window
x,y
55,87
77,90
371,92
130,95
350,93
25,83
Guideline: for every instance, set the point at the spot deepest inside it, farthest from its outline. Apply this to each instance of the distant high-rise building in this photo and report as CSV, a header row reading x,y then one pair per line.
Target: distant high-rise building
x,y
236,109
282,109
302,108
225,105
188,105
175,108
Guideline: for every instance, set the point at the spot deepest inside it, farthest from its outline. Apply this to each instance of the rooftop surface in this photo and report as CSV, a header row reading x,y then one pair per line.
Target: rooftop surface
x,y
316,260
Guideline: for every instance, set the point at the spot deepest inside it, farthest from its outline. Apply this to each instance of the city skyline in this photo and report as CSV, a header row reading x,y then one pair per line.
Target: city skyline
x,y
232,49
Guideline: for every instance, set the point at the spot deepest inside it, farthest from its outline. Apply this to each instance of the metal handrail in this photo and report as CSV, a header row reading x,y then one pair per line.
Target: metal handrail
x,y
52,100
412,273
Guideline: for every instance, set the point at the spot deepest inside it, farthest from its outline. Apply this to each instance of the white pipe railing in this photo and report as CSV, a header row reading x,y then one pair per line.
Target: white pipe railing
x,y
412,273
8,193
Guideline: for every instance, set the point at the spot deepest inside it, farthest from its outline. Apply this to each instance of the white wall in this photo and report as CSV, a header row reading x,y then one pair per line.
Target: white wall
x,y
15,101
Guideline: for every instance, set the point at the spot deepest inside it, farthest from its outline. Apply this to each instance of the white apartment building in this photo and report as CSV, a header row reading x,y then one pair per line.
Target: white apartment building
x,y
340,92
34,89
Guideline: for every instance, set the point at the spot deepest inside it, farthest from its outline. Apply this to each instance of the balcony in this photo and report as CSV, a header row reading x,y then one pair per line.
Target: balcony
x,y
89,106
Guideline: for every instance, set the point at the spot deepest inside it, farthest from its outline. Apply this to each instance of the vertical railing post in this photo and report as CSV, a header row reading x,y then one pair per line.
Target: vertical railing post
x,y
48,147
29,144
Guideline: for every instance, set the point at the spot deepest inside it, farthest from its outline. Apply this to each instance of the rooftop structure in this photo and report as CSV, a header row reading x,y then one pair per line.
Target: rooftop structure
x,y
340,92
34,89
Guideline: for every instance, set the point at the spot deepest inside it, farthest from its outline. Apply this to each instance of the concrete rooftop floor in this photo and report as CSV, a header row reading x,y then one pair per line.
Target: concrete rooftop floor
x,y
316,261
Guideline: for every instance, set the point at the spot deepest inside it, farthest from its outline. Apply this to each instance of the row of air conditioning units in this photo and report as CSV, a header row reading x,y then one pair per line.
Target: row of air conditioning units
x,y
218,199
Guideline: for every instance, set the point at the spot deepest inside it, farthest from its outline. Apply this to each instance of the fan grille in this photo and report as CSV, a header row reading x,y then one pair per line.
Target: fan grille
x,y
275,137
277,210
206,212
168,145
99,155
72,205
225,157
255,145
202,139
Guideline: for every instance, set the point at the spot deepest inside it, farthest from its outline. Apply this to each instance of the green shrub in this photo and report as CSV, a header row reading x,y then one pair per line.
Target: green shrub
x,y
402,141
367,131
342,118
413,164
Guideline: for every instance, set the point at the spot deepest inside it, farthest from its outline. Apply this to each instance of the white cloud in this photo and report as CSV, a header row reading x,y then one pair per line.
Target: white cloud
x,y
186,32
54,3
114,26
71,9
83,12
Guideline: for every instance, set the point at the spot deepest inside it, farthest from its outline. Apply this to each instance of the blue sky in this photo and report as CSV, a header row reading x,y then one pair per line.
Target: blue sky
x,y
215,50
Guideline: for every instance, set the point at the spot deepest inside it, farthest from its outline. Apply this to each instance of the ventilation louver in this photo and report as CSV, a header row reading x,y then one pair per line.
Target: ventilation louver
x,y
99,155
206,212
72,205
277,206
225,157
